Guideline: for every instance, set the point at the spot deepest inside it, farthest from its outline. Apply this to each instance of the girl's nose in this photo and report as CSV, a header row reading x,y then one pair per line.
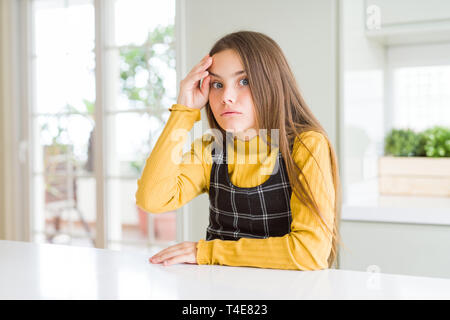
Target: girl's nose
x,y
228,98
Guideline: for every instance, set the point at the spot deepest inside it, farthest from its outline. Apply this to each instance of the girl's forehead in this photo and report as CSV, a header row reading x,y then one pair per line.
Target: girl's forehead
x,y
226,64
226,58
232,75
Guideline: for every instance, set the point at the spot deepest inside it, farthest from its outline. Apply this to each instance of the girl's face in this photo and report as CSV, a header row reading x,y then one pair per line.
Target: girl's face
x,y
230,92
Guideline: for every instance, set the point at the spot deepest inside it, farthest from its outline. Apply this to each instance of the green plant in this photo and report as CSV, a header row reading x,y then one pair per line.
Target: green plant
x,y
56,136
137,165
433,142
136,62
404,143
61,129
437,142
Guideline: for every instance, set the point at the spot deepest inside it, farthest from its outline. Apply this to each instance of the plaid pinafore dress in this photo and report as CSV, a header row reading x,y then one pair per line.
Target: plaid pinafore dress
x,y
258,212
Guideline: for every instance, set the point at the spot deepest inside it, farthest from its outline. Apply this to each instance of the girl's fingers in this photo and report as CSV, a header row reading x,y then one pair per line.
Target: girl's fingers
x,y
203,59
168,253
205,85
197,73
163,255
177,259
194,79
195,76
157,257
202,66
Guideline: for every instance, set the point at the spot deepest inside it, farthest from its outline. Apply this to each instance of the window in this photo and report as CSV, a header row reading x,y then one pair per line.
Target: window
x,y
138,85
421,96
420,85
62,100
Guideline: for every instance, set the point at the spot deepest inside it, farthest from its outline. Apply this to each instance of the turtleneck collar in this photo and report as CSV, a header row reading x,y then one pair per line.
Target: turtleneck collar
x,y
252,148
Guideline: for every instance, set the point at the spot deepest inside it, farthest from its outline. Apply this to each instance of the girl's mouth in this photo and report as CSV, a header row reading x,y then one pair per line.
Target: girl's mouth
x,y
230,113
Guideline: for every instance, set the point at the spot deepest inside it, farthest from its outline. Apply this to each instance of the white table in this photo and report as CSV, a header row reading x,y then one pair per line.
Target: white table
x,y
48,271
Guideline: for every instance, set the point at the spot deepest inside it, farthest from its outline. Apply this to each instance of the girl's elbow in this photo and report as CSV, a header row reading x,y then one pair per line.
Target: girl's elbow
x,y
307,257
155,204
146,203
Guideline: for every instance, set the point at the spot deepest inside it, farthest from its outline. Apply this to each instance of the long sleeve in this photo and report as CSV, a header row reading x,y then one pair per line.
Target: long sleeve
x,y
307,246
166,184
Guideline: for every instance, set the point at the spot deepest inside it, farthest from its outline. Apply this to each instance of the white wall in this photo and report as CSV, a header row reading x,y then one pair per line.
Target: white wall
x,y
306,31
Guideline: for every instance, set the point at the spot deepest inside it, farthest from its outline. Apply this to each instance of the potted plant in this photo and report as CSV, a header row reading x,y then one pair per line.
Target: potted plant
x,y
416,163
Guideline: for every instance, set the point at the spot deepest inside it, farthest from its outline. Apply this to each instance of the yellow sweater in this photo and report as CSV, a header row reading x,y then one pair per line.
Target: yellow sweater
x,y
165,185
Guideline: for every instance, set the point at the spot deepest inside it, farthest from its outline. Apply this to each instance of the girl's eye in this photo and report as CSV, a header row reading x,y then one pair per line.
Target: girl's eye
x,y
213,84
246,81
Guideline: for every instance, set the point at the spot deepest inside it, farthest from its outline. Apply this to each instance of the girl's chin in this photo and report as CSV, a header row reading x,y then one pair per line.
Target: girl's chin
x,y
234,131
241,134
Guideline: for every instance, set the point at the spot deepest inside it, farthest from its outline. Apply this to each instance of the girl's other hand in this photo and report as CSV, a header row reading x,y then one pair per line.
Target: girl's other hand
x,y
184,252
191,94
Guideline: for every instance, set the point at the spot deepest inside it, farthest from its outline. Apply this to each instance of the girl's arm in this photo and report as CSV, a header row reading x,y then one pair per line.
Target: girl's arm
x,y
307,246
164,184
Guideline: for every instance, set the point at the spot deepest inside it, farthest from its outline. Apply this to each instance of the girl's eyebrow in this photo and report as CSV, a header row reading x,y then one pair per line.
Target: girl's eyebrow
x,y
234,74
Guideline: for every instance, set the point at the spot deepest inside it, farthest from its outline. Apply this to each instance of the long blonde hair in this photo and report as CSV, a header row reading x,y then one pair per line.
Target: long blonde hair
x,y
279,105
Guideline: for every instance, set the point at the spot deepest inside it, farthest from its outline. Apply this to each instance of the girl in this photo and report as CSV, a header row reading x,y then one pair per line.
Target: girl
x,y
282,218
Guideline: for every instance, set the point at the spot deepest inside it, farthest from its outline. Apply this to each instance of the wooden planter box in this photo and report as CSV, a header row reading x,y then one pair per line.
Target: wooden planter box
x,y
414,176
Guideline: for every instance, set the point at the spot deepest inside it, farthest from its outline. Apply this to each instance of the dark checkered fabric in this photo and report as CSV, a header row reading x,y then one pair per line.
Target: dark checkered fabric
x,y
259,212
